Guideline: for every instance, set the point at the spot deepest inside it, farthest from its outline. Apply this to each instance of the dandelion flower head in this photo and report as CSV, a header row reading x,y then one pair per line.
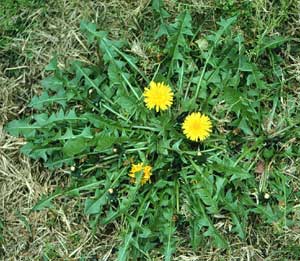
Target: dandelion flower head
x,y
136,168
159,96
197,126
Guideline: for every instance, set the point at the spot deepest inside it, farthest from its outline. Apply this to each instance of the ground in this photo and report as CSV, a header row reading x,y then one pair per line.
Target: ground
x,y
32,32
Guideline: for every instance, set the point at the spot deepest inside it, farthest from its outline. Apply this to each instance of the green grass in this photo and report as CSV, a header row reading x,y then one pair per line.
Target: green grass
x,y
238,187
12,22
15,18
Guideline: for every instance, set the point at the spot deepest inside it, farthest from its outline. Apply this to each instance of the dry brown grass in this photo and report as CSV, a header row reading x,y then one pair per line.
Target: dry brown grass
x,y
62,232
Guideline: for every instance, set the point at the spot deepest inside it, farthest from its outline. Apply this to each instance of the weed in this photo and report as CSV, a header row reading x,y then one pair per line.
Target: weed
x,y
90,119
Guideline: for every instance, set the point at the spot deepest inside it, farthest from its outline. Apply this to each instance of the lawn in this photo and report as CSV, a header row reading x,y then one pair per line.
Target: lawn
x,y
149,130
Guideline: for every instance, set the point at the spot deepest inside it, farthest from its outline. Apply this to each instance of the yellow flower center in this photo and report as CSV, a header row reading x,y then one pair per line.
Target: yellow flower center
x,y
197,127
158,96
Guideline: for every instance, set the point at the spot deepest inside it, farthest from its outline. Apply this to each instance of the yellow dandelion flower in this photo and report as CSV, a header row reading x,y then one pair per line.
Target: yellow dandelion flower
x,y
197,126
136,168
159,96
